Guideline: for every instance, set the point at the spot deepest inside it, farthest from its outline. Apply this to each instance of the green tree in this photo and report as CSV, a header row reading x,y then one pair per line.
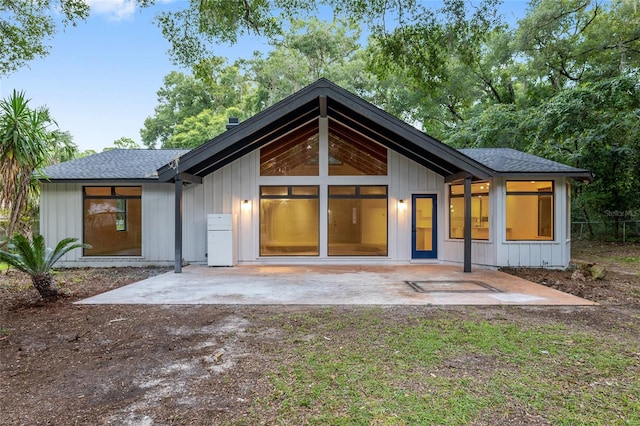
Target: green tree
x,y
182,96
570,41
27,25
496,126
451,58
552,36
64,149
595,126
195,31
307,51
195,131
86,153
193,109
26,144
123,143
35,259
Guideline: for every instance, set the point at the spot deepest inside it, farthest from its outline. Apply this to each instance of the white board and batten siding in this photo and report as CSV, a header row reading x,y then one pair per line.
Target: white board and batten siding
x,y
61,216
408,178
222,192
483,253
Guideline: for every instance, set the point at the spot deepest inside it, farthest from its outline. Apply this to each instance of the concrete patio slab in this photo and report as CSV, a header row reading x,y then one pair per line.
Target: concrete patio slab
x,y
336,285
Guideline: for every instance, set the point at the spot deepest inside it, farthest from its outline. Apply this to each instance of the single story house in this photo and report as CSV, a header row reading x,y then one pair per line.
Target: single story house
x,y
321,177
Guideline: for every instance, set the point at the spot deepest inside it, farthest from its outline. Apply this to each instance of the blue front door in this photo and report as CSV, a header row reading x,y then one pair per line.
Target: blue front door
x,y
424,229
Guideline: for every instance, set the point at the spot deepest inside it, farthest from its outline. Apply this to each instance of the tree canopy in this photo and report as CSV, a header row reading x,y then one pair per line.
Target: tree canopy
x,y
26,26
194,108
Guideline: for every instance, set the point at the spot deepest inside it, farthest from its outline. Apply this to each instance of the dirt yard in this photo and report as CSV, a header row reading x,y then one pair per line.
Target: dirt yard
x,y
63,364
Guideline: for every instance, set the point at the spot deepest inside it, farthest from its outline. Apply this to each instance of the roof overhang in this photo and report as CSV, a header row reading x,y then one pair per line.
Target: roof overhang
x,y
100,180
582,175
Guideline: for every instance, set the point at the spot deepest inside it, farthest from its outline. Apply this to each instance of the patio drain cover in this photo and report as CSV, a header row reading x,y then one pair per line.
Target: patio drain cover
x,y
453,286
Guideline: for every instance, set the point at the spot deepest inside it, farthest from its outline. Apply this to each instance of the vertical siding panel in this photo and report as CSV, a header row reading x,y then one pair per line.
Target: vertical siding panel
x,y
524,255
535,254
254,238
247,170
155,235
412,176
555,256
72,216
200,222
227,191
427,180
477,253
208,189
396,192
188,230
513,255
147,206
194,224
69,209
61,215
218,192
422,178
47,212
158,222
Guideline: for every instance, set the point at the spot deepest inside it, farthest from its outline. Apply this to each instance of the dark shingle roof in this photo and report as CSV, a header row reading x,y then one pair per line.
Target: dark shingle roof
x,y
511,161
116,164
134,164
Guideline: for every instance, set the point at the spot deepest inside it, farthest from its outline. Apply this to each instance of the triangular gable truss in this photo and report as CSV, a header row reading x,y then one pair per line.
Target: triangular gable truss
x,y
324,98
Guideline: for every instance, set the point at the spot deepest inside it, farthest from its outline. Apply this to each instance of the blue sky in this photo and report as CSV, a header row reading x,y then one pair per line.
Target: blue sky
x,y
101,77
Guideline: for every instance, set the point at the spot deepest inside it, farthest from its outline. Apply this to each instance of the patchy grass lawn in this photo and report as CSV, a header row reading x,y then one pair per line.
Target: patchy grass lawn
x,y
446,370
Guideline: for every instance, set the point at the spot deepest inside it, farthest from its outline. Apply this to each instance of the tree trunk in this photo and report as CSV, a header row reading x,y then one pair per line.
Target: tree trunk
x,y
586,218
19,205
43,282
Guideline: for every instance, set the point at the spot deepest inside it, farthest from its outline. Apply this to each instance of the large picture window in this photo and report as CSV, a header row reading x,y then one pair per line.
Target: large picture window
x,y
479,211
529,211
357,221
113,220
289,221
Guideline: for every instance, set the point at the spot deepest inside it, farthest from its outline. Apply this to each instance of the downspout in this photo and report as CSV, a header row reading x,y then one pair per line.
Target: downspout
x,y
178,224
467,223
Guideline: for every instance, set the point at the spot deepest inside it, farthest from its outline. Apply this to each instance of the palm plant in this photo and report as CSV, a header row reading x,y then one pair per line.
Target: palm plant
x,y
34,258
25,146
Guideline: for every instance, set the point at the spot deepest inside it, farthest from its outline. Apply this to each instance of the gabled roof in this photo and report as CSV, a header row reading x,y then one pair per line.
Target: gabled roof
x,y
507,161
116,164
324,99
345,111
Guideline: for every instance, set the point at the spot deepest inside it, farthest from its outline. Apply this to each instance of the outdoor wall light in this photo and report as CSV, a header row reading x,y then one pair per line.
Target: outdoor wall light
x,y
246,204
402,205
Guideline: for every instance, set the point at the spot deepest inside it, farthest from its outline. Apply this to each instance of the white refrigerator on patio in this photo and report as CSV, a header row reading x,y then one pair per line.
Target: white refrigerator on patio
x,y
222,240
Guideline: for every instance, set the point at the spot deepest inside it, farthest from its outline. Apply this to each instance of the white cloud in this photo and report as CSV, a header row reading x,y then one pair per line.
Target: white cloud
x,y
117,10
